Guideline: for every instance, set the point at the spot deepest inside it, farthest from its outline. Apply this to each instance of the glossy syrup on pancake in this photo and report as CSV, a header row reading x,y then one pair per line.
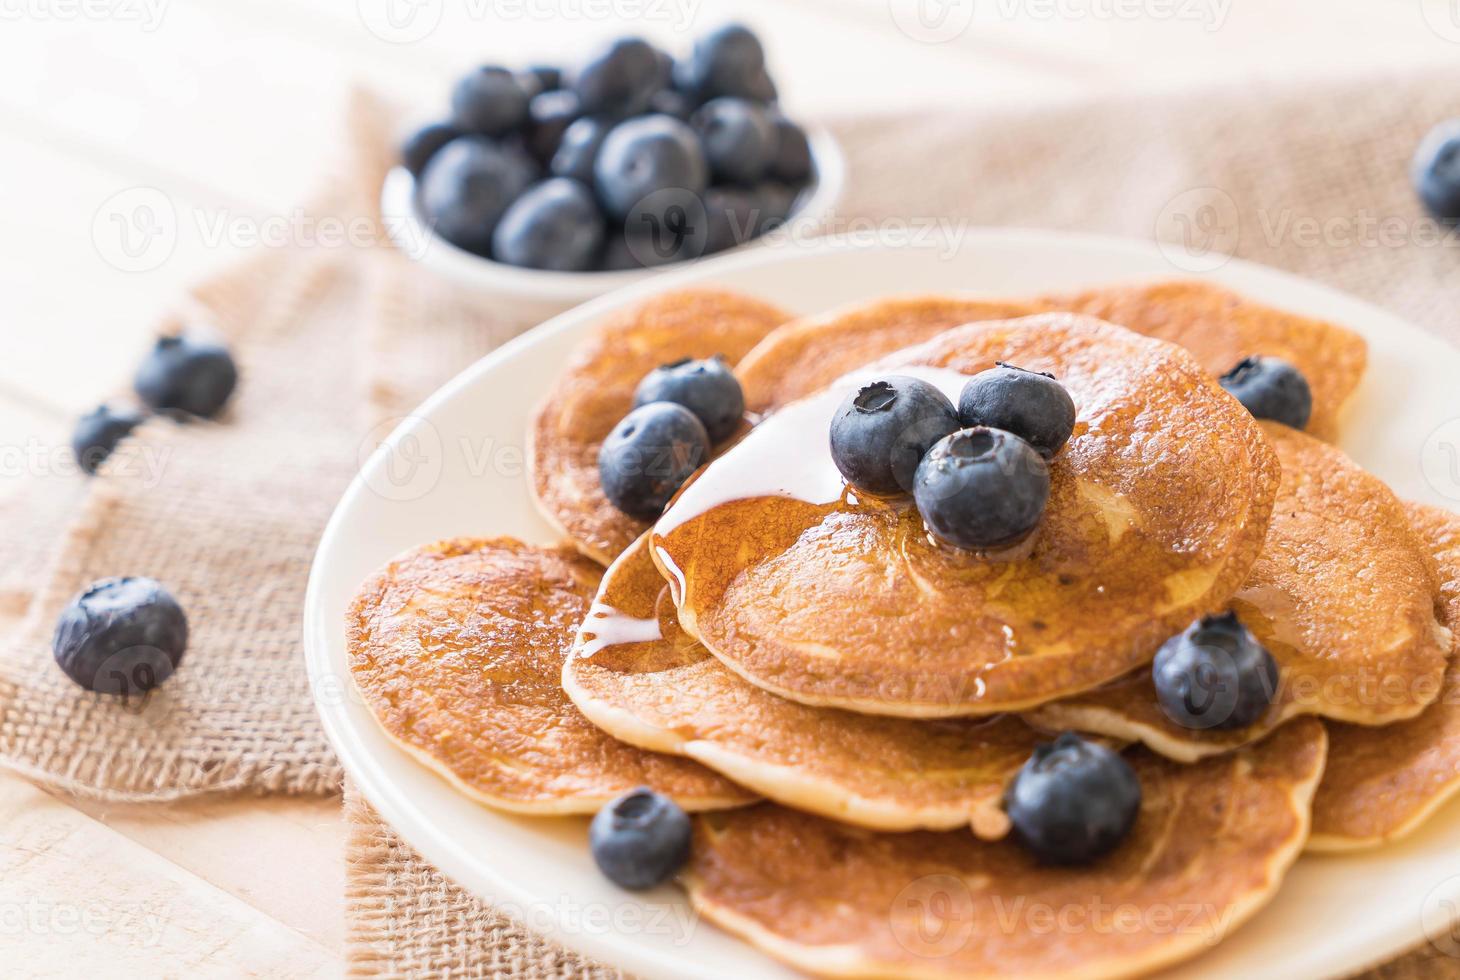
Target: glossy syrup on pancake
x,y
1342,595
1157,508
597,390
1210,847
1383,783
637,675
457,649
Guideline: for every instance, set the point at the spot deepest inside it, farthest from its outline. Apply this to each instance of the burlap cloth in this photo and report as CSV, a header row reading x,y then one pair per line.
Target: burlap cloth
x,y
1308,178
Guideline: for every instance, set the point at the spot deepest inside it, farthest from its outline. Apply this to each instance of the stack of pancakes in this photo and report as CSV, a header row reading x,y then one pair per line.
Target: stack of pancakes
x,y
843,701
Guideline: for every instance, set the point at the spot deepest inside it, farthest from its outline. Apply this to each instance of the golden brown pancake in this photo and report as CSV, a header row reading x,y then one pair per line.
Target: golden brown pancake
x,y
810,353
457,648
597,390
1210,847
1220,328
1382,783
1343,596
637,675
1157,509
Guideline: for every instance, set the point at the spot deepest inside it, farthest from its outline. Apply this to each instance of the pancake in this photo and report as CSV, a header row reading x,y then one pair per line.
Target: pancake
x,y
637,675
1158,505
1343,596
1220,328
1210,847
597,390
810,353
457,648
1383,783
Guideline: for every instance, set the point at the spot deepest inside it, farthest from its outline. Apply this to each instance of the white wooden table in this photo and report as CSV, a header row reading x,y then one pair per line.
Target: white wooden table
x,y
221,110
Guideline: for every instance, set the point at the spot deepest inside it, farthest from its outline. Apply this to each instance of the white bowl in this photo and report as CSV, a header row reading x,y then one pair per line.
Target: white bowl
x,y
557,291
456,468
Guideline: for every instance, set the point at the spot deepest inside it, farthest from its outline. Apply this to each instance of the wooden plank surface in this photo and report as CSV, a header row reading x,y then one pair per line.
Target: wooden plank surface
x,y
220,110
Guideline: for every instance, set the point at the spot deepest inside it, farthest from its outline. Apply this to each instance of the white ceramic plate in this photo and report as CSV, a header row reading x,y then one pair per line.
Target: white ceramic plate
x,y
456,468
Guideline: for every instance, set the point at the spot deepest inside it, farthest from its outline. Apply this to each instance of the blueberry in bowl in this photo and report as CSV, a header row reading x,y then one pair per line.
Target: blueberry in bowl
x,y
555,225
646,156
490,101
681,155
468,186
121,636
739,139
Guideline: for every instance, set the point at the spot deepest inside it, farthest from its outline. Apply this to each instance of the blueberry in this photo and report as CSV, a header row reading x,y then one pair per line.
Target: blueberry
x,y
775,203
727,61
626,249
1271,388
733,216
555,225
640,839
649,455
547,77
490,101
881,431
1214,675
1073,801
1030,404
421,146
186,374
468,185
621,79
1436,171
650,155
98,433
121,636
668,102
791,159
549,116
705,387
981,488
738,137
578,149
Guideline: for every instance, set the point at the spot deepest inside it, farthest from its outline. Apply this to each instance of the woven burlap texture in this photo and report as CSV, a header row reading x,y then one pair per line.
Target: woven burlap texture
x,y
1311,179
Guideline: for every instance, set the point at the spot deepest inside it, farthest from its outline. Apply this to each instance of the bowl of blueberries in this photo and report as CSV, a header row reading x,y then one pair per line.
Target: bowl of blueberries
x,y
558,185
